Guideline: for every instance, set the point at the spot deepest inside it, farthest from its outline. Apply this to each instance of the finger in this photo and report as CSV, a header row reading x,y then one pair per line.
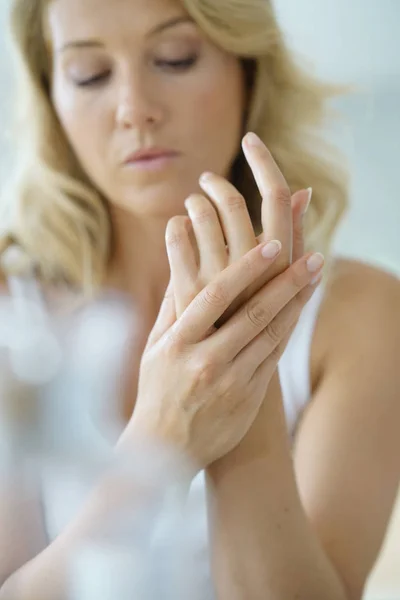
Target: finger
x,y
182,261
300,203
233,214
165,319
276,210
208,234
212,301
259,311
267,348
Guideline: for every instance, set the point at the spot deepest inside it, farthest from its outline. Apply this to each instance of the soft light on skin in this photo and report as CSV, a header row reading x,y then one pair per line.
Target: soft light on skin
x,y
139,100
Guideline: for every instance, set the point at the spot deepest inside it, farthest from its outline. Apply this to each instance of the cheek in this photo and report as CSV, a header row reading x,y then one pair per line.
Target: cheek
x,y
80,123
217,114
221,109
220,92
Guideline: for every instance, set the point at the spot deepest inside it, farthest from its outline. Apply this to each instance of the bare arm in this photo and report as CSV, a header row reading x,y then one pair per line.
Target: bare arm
x,y
22,533
112,502
315,530
262,543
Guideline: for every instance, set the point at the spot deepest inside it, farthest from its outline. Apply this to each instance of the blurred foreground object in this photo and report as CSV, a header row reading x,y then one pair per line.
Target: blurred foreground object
x,y
59,386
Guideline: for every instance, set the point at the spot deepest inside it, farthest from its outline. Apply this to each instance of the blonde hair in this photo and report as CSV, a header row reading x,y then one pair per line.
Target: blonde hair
x,y
57,217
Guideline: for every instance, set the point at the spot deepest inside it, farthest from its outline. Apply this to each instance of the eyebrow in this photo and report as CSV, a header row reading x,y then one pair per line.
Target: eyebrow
x,y
96,44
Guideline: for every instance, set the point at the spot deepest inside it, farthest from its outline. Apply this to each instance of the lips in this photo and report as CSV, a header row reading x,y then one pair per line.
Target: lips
x,y
149,155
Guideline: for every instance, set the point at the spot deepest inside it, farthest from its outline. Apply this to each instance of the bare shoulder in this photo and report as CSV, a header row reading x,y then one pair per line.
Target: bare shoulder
x,y
360,308
356,289
347,445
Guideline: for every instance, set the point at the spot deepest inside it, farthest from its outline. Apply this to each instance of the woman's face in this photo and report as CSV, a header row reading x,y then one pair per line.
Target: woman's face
x,y
139,76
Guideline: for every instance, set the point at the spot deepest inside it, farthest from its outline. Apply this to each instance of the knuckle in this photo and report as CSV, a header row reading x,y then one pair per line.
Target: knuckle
x,y
282,195
205,370
274,332
201,216
201,209
235,202
215,295
258,314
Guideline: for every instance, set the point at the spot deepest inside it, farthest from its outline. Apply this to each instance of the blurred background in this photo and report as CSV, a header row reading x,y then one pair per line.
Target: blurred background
x,y
358,42
353,42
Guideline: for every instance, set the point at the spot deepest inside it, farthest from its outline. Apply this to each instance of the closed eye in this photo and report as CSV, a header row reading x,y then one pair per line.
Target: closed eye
x,y
179,65
176,65
93,80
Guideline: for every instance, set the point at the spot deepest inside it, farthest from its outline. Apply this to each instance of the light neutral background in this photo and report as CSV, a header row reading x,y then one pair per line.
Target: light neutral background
x,y
356,42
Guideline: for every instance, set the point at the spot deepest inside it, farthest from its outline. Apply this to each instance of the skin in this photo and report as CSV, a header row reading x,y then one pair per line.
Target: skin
x,y
346,430
309,527
144,102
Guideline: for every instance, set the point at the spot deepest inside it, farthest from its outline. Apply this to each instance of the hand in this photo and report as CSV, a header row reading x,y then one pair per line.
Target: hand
x,y
202,392
222,230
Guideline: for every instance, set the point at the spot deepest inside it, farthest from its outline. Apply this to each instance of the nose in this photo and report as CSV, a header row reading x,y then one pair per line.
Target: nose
x,y
139,105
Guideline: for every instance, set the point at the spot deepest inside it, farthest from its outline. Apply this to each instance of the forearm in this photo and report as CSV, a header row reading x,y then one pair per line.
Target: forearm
x,y
263,545
114,504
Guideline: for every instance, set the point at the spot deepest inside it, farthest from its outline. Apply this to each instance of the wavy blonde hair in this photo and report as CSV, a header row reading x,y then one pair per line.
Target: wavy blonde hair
x,y
57,218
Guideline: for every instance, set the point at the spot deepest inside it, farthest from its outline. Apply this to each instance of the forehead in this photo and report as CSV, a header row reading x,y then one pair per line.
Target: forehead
x,y
87,18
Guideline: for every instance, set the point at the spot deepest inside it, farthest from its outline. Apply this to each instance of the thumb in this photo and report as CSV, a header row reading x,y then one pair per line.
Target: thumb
x,y
166,317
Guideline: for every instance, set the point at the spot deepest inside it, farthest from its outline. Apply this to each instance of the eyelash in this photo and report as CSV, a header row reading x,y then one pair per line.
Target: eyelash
x,y
175,65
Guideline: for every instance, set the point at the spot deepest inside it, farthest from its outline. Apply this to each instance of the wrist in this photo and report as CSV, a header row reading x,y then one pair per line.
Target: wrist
x,y
159,457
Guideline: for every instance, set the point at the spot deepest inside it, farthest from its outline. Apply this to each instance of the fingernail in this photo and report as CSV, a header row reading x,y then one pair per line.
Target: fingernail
x,y
307,204
252,139
205,177
271,249
315,262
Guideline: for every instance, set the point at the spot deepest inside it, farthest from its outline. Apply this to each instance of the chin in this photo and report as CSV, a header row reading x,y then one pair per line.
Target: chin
x,y
151,204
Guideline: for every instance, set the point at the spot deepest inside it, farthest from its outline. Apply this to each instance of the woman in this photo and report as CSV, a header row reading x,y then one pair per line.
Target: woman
x,y
125,105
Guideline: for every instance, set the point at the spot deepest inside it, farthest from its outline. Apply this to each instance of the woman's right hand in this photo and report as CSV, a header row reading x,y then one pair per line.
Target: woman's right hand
x,y
200,388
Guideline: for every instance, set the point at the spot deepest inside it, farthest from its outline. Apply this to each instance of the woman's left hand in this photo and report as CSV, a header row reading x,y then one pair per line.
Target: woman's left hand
x,y
221,229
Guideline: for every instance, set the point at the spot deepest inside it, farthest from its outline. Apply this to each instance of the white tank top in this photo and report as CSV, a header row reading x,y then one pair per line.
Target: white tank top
x,y
63,496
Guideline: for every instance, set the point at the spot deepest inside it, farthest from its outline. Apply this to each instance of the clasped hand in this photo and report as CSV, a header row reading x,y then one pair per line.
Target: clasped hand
x,y
229,310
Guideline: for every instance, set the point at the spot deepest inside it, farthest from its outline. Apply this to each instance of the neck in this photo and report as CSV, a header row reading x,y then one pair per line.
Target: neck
x,y
139,266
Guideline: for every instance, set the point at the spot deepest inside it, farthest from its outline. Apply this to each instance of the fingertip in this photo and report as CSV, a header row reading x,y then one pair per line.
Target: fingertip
x,y
251,140
314,283
271,249
307,202
297,198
